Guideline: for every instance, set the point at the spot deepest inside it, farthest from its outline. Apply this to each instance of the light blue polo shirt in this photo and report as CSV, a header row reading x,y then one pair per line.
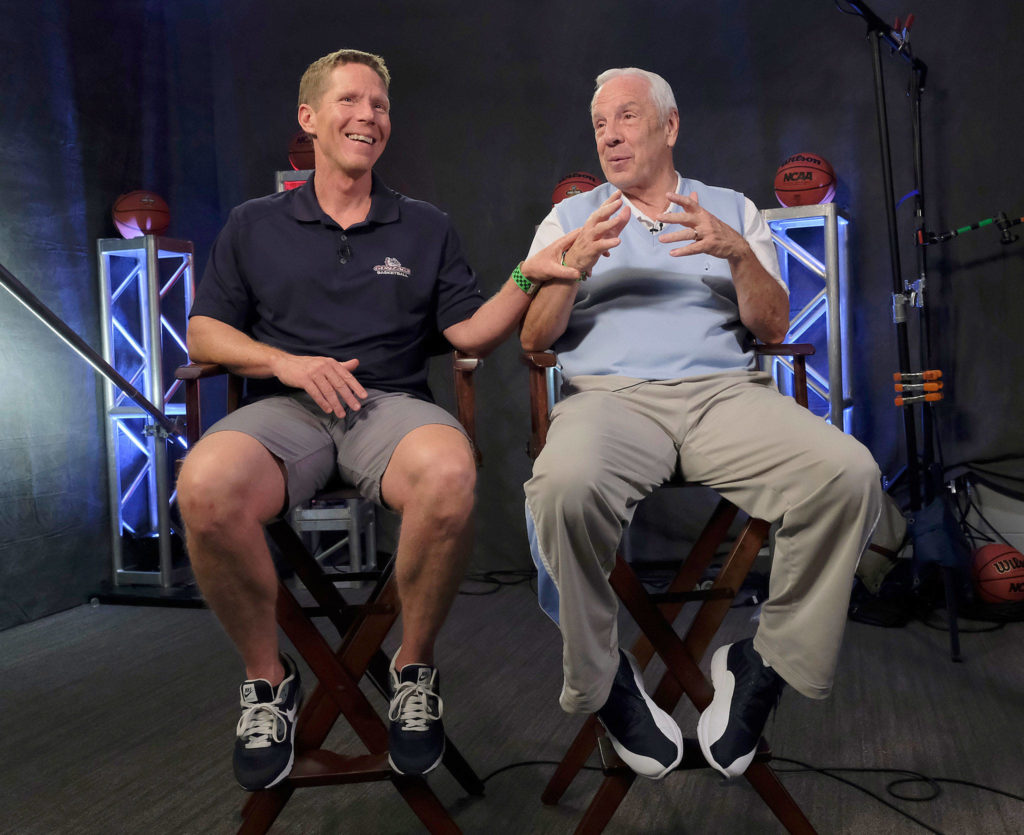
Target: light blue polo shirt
x,y
646,314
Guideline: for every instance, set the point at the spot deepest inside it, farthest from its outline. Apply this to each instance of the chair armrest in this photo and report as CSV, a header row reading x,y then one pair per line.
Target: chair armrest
x,y
799,351
538,363
192,374
463,367
199,370
786,349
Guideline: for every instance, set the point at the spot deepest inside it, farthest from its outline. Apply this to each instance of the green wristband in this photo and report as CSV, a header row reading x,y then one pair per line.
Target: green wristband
x,y
522,282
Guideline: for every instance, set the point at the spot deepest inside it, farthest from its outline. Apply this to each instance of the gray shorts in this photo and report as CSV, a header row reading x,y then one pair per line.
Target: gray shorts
x,y
320,450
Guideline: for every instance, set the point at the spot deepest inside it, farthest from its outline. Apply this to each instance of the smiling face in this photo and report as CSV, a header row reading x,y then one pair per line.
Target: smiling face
x,y
351,124
634,146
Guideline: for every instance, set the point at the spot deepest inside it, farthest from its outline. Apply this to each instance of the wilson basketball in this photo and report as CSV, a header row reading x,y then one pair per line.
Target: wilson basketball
x,y
300,152
805,179
999,573
139,213
575,183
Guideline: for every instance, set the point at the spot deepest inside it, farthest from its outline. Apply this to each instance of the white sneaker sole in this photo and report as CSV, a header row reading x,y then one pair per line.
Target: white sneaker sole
x,y
397,770
647,766
714,719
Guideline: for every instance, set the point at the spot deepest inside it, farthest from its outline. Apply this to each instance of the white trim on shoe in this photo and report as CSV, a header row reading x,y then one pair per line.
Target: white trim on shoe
x,y
648,766
715,718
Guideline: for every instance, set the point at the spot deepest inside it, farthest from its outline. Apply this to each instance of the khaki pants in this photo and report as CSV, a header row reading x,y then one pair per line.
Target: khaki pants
x,y
614,439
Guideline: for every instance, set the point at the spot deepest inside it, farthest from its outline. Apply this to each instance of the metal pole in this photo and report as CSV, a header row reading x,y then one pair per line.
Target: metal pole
x,y
899,296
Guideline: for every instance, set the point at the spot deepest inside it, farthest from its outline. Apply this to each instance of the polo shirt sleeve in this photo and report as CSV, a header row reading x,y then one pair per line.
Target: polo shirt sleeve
x,y
458,293
223,293
759,236
549,231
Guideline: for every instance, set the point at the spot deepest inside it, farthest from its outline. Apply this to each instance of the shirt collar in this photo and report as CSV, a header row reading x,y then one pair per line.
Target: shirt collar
x,y
653,226
384,207
639,215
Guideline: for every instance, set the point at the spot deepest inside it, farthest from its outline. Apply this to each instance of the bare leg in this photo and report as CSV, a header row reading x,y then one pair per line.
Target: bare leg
x,y
430,481
229,486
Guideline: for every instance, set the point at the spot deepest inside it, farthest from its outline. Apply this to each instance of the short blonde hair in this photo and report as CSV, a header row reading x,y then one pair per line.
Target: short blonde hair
x,y
314,80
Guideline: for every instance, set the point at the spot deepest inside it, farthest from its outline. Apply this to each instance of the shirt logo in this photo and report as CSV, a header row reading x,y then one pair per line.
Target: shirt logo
x,y
392,266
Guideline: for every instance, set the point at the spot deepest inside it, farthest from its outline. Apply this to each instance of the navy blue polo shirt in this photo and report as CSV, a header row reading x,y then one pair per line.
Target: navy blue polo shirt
x,y
381,291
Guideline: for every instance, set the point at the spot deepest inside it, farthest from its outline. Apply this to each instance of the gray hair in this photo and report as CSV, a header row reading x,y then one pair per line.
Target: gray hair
x,y
661,94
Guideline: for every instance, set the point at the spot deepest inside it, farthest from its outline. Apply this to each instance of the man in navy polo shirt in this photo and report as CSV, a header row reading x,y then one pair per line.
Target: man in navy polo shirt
x,y
328,299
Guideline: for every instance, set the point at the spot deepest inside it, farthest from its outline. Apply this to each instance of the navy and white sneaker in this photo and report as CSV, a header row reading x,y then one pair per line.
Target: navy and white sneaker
x,y
265,735
415,731
746,691
644,736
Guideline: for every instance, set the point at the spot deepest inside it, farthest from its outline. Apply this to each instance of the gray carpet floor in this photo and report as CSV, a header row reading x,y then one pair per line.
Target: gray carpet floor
x,y
121,719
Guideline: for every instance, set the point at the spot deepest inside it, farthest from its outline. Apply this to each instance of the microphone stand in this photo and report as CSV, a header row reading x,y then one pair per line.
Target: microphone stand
x,y
930,527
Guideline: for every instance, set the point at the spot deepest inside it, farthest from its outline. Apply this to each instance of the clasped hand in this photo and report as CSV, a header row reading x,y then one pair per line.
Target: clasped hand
x,y
328,381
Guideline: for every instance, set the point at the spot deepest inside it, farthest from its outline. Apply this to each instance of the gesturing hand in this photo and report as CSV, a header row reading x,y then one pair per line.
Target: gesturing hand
x,y
546,264
598,235
327,381
707,233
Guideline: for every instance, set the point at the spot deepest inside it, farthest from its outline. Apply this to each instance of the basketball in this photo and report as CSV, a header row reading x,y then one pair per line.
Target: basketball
x,y
999,573
575,183
139,213
300,152
805,179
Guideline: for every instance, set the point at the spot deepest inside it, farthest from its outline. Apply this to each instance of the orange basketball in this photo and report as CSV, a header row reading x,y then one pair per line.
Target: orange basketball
x,y
805,179
300,152
575,183
999,573
139,213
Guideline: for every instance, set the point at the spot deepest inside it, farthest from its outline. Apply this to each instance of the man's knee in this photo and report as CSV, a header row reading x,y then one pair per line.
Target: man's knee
x,y
859,476
224,484
568,486
434,472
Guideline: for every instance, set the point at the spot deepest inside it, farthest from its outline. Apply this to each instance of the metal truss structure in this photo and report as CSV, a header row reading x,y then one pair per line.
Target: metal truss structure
x,y
146,291
812,246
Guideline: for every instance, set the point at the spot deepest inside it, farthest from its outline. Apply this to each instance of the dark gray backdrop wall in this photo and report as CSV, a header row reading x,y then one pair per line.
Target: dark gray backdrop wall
x,y
95,103
490,108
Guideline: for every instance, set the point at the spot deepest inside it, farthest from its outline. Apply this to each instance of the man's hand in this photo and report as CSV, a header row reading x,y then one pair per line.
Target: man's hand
x,y
598,235
326,380
546,264
707,233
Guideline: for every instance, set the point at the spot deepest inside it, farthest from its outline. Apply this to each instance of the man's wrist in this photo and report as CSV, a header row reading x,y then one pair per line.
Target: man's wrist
x,y
583,273
522,282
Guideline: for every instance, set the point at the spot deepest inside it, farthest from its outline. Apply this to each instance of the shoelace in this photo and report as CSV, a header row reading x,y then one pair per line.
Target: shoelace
x,y
411,706
261,724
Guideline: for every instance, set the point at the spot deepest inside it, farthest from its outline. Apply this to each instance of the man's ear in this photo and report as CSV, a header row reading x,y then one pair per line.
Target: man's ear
x,y
672,128
307,120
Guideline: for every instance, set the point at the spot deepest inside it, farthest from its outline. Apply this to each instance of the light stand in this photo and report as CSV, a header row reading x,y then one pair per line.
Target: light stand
x,y
930,522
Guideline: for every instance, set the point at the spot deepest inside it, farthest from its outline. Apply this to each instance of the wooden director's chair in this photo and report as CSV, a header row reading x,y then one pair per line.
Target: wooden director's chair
x,y
339,670
655,614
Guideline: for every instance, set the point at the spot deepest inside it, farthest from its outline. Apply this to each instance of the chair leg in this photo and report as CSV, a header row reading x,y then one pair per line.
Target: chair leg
x,y
262,808
767,784
425,804
692,568
607,799
572,763
337,693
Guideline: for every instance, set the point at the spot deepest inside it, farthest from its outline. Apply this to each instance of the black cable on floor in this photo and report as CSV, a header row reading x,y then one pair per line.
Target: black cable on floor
x,y
497,579
913,778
